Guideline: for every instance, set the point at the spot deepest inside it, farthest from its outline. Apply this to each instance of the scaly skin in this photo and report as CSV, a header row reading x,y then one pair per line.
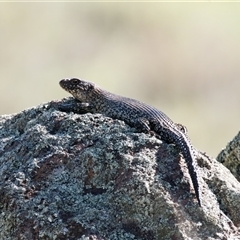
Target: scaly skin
x,y
135,113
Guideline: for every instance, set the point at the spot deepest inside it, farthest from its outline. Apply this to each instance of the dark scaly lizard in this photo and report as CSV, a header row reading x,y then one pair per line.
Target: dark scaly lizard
x,y
94,99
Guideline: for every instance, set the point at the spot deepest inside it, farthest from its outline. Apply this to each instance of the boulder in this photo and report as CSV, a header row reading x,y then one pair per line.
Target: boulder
x,y
230,156
71,176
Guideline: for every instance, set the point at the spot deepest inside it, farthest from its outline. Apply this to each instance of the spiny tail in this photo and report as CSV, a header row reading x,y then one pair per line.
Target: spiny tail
x,y
186,149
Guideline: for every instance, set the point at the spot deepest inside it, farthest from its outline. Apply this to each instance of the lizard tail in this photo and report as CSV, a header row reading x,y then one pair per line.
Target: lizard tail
x,y
188,154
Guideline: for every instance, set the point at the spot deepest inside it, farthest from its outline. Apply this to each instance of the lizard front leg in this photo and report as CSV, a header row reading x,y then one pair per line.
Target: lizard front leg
x,y
76,107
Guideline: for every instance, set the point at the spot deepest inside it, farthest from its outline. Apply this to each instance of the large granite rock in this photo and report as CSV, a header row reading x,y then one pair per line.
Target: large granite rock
x,y
69,176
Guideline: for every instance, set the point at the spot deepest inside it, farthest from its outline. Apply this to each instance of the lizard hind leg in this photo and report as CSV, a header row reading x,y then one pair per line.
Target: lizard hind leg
x,y
142,124
182,128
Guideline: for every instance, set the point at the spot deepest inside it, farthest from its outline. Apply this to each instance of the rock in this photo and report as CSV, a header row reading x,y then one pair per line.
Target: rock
x,y
230,156
69,176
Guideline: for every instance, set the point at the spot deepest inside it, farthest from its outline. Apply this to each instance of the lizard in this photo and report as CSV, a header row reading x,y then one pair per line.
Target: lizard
x,y
91,98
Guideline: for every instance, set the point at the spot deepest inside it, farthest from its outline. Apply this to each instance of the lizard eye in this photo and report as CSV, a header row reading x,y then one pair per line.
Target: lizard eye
x,y
75,80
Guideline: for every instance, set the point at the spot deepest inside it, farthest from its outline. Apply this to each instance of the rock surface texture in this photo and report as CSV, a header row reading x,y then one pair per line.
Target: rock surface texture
x,y
69,176
230,156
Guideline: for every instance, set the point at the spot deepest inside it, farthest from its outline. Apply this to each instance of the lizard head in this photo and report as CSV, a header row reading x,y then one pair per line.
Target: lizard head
x,y
80,89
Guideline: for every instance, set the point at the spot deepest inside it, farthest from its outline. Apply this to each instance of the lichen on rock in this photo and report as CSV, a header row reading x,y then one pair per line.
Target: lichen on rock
x,y
230,156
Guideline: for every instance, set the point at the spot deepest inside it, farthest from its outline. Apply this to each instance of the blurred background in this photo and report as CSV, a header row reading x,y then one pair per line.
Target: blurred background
x,y
183,58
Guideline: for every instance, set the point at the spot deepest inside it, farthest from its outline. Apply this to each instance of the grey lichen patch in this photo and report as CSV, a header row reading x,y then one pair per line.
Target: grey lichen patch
x,y
230,156
69,176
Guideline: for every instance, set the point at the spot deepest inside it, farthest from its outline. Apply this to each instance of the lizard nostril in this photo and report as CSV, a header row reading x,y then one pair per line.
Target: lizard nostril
x,y
61,82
